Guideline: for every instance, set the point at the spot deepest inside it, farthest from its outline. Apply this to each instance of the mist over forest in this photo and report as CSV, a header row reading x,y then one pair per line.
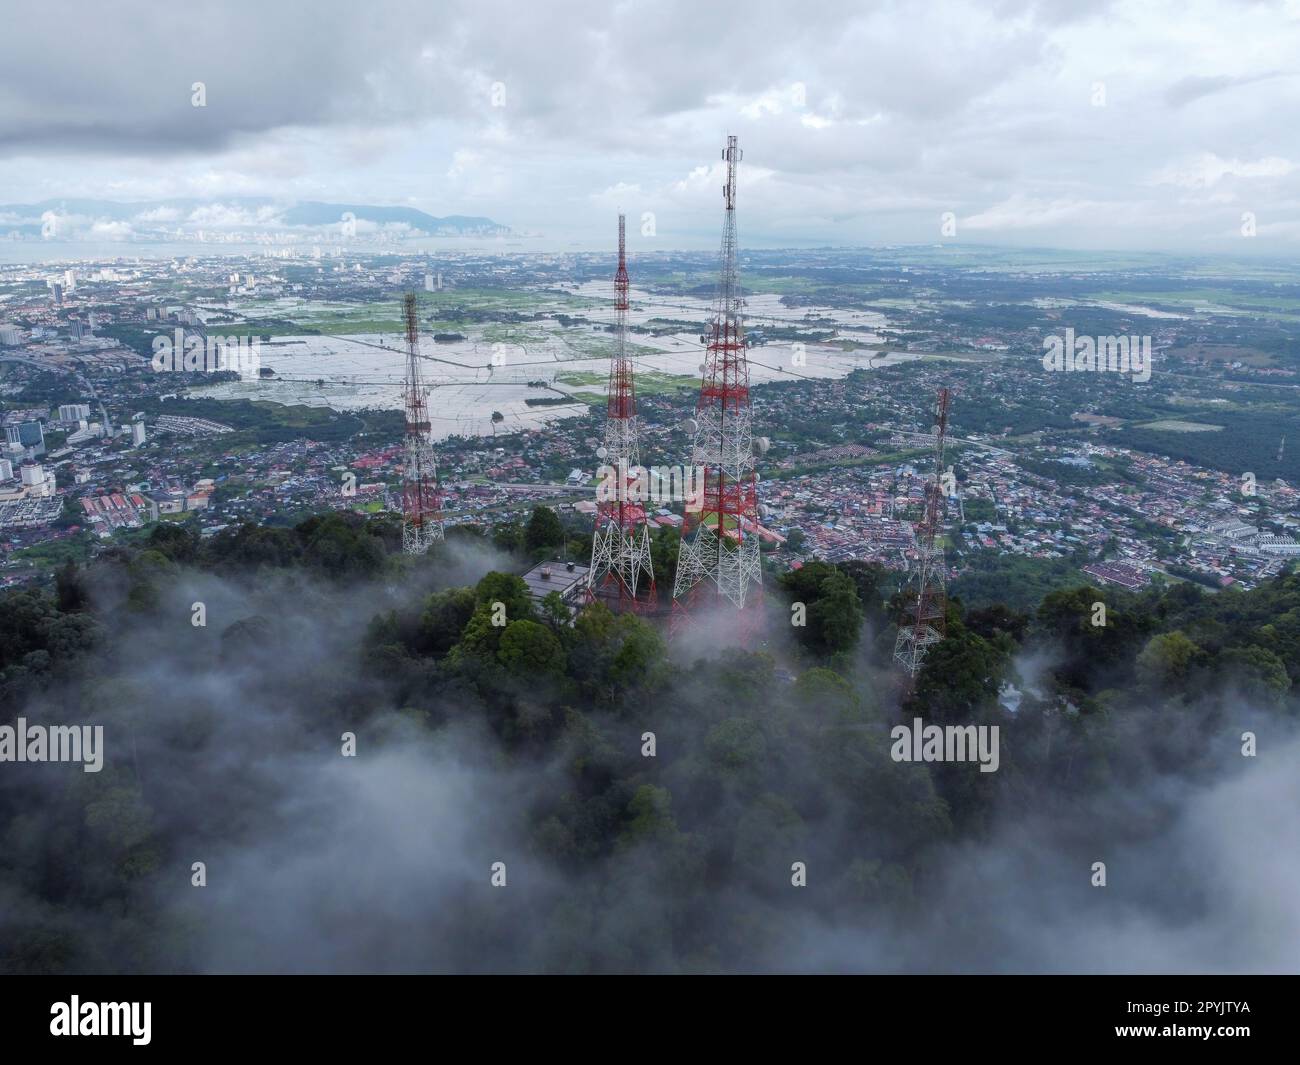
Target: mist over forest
x,y
478,743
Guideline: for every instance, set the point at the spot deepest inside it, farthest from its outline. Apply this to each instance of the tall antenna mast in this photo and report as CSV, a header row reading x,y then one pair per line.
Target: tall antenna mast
x,y
421,499
721,547
620,546
925,622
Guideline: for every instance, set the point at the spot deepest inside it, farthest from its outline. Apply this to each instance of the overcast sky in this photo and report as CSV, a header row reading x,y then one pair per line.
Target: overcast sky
x,y
1071,123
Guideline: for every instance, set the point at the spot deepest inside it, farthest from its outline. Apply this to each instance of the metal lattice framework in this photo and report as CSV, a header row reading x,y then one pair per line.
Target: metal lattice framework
x,y
421,498
620,547
720,546
924,624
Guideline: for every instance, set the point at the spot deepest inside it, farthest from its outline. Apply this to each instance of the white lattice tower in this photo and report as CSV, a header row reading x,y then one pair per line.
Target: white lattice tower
x,y
719,560
925,623
621,573
421,498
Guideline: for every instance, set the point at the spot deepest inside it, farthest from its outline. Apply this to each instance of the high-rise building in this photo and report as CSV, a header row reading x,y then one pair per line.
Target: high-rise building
x,y
70,280
428,283
57,289
10,335
74,412
76,328
37,481
29,436
137,431
6,470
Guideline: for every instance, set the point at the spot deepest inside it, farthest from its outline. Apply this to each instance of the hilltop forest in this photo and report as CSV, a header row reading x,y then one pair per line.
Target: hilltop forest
x,y
646,800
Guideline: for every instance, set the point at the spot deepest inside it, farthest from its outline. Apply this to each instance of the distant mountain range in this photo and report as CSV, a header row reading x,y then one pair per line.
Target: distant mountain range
x,y
233,218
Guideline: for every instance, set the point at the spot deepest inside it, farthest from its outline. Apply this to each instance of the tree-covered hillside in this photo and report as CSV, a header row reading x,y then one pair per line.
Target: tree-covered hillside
x,y
647,802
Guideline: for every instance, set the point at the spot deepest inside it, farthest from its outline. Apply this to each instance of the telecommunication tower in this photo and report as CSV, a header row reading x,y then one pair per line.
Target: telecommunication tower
x,y
718,561
421,498
924,623
620,547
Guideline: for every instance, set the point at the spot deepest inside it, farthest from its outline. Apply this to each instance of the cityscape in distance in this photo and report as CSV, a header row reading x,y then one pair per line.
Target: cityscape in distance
x,y
799,519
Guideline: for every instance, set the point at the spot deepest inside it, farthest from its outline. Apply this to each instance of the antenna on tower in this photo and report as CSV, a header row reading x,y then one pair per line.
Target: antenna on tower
x,y
620,546
719,544
421,498
925,621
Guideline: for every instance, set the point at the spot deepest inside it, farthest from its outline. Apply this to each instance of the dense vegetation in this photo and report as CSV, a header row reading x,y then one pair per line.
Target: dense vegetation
x,y
264,423
216,737
1246,442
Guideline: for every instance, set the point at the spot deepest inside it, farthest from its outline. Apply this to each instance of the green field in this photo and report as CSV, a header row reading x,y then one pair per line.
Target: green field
x,y
1187,299
1171,426
649,383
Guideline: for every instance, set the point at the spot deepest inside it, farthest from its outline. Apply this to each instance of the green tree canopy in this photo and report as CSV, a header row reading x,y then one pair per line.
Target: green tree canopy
x,y
544,530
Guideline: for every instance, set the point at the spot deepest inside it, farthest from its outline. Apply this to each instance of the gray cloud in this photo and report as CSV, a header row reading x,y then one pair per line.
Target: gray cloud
x,y
1197,87
869,121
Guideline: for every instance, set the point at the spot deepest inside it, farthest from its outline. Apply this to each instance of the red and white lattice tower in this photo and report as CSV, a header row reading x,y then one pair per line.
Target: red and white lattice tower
x,y
718,562
421,498
620,547
924,623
